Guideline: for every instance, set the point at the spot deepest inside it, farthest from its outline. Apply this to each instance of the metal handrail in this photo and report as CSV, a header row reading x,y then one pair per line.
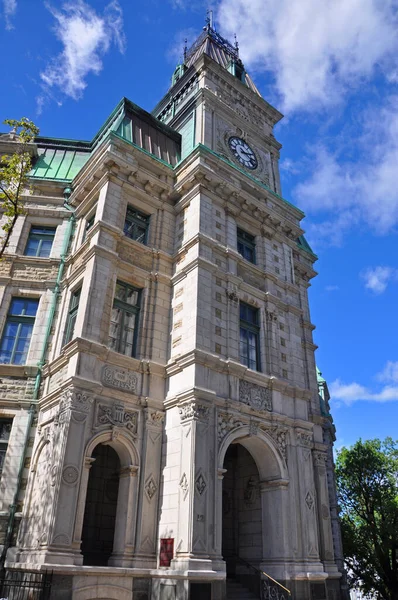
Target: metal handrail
x,y
263,573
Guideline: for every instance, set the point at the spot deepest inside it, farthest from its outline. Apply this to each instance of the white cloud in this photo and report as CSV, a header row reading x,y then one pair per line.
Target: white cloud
x,y
9,8
348,393
377,278
389,373
332,288
86,37
315,50
363,191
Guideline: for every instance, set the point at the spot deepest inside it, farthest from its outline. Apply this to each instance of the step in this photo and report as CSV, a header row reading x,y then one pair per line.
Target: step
x,y
236,591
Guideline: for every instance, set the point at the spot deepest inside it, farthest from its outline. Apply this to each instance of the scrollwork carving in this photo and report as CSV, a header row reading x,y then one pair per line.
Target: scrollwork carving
x,y
227,422
256,396
118,378
116,416
194,410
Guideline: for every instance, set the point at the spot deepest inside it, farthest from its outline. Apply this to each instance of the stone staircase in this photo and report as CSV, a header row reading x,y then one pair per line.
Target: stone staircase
x,y
236,591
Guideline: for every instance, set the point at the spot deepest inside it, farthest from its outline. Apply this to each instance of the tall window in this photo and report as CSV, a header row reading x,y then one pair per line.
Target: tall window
x,y
89,224
249,336
247,245
136,225
40,241
71,318
17,332
5,430
124,320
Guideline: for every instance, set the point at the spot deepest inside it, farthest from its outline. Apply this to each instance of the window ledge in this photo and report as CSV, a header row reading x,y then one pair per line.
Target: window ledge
x,y
18,371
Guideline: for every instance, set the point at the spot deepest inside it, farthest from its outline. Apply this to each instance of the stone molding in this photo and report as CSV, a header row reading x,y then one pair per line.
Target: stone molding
x,y
121,379
256,396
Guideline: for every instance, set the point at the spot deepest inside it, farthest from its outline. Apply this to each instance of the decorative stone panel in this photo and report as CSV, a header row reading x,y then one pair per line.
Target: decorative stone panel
x,y
256,396
116,416
121,379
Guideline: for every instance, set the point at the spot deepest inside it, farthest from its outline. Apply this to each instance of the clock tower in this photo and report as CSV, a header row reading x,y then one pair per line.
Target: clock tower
x,y
256,483
213,101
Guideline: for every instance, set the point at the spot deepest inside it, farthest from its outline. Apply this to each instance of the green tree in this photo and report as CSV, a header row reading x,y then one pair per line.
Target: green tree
x,y
14,168
367,482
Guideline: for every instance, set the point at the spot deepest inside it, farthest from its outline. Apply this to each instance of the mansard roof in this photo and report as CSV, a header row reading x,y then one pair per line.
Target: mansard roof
x,y
210,42
62,159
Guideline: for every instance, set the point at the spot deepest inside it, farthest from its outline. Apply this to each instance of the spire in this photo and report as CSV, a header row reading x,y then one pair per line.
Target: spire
x,y
219,49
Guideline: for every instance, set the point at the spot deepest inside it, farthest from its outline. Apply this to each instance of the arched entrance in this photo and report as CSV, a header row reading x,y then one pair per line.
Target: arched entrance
x,y
242,538
101,507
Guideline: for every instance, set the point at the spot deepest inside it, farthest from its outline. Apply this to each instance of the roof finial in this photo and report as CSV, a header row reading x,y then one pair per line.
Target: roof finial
x,y
236,44
185,50
209,18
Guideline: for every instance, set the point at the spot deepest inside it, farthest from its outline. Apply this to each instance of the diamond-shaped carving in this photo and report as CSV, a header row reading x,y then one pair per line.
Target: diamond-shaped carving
x,y
184,485
309,500
150,488
200,484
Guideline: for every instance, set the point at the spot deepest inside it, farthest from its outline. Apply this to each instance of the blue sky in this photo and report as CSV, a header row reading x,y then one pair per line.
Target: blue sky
x,y
331,68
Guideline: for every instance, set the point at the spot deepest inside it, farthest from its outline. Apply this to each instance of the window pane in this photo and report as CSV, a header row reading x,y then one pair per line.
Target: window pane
x,y
136,225
128,334
45,249
114,327
40,241
24,307
32,247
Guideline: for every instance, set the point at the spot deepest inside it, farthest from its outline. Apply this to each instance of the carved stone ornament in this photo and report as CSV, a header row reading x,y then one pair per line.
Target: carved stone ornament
x,y
256,396
280,437
70,475
150,488
309,500
251,491
184,485
116,416
194,410
232,295
75,400
320,459
225,423
200,484
118,378
304,438
154,417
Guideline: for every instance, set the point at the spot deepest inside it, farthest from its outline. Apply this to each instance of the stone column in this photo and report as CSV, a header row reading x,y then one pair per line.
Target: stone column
x,y
123,541
325,529
275,524
307,500
77,534
194,517
147,521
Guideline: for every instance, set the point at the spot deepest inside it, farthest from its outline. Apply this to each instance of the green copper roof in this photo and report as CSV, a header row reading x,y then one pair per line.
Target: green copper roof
x,y
62,159
304,245
319,376
58,163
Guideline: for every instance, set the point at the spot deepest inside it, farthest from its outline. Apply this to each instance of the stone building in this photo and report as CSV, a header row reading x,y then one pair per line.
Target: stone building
x,y
161,422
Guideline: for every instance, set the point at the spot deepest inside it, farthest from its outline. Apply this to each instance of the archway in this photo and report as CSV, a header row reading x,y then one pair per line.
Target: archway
x,y
242,527
101,507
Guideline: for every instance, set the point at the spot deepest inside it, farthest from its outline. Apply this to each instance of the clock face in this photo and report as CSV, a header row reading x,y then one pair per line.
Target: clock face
x,y
243,153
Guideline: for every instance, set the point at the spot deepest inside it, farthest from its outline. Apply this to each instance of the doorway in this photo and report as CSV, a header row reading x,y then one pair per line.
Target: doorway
x,y
242,510
101,505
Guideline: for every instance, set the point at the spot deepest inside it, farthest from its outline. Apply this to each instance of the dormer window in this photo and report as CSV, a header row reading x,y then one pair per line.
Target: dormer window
x,y
236,68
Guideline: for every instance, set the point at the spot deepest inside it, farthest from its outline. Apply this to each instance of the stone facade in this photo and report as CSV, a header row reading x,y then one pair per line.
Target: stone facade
x,y
200,454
